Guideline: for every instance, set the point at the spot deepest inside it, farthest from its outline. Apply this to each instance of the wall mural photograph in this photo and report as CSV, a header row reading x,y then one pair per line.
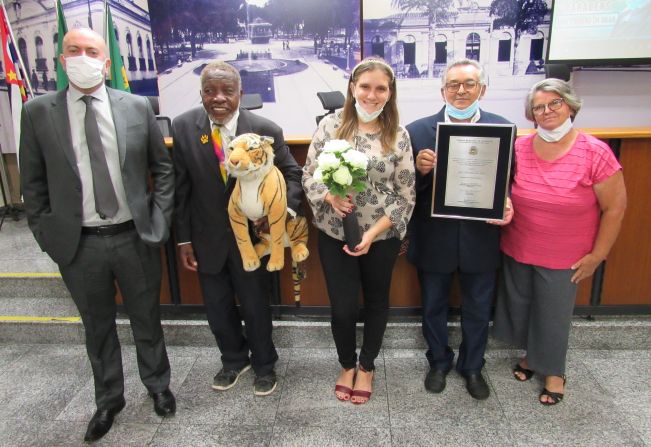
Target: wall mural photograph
x,y
286,51
34,24
420,37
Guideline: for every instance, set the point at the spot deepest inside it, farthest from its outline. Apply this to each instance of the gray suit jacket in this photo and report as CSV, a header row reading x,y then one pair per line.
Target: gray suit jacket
x,y
201,214
50,180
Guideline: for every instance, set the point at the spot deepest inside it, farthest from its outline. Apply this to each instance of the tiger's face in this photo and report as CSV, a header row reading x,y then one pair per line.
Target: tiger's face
x,y
250,154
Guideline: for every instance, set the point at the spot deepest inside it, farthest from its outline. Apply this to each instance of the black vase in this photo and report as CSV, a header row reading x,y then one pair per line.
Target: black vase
x,y
352,234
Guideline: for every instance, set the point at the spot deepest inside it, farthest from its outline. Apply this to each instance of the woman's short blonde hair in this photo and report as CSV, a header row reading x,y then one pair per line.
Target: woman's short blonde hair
x,y
553,85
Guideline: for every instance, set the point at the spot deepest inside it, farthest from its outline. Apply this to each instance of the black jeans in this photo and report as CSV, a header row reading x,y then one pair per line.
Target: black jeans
x,y
344,275
253,290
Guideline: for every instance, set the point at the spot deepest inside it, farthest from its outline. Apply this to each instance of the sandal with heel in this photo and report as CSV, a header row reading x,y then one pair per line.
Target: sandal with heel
x,y
527,373
555,397
361,393
345,390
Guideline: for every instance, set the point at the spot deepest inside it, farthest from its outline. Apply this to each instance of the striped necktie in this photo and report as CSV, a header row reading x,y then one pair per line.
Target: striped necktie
x,y
219,150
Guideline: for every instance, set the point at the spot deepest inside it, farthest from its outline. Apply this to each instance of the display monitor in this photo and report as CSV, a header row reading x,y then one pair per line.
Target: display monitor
x,y
600,32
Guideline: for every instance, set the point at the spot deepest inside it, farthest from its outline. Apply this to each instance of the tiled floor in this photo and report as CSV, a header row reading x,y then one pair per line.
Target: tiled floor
x,y
47,399
46,390
19,250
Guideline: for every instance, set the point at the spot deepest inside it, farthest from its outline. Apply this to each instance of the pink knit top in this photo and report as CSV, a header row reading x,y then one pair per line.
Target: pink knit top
x,y
556,210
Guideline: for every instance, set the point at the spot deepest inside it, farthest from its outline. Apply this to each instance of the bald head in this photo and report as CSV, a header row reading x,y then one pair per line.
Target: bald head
x,y
83,39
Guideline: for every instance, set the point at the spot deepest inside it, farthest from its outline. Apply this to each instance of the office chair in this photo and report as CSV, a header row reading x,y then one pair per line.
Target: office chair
x,y
330,101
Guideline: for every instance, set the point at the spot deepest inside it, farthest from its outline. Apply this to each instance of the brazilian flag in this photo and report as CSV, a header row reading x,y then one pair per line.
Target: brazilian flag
x,y
62,29
117,74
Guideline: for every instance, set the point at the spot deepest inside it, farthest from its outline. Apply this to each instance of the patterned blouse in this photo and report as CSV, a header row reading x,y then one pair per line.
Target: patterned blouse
x,y
391,183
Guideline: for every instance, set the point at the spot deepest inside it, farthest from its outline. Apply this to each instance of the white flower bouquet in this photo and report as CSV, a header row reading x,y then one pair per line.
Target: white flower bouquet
x,y
341,168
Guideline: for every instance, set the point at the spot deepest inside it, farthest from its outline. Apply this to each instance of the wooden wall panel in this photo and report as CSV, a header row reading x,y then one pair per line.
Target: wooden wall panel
x,y
628,268
628,272
583,293
189,285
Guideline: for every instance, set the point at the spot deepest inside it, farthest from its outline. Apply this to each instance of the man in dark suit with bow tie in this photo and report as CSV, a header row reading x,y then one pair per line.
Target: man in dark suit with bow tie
x,y
206,241
86,156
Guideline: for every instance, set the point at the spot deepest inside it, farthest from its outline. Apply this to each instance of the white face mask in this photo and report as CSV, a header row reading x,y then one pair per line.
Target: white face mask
x,y
554,135
366,117
85,72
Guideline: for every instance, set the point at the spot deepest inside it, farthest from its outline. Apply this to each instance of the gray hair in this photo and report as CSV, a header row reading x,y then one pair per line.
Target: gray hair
x,y
221,66
553,85
465,61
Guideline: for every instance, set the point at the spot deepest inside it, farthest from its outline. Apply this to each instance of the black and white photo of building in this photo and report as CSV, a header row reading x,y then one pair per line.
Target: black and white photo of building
x,y
418,38
285,50
34,24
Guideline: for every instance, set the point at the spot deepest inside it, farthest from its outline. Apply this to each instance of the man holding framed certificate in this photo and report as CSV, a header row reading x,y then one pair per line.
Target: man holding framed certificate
x,y
464,235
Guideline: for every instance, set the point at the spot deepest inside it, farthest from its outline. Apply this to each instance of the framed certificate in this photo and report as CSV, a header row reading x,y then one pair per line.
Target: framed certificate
x,y
473,166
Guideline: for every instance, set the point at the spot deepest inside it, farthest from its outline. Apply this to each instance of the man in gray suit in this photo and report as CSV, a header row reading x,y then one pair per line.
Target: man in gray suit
x,y
86,156
206,241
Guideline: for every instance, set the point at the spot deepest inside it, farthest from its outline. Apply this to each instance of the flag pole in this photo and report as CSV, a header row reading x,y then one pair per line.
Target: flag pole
x,y
62,30
20,58
8,208
106,38
106,28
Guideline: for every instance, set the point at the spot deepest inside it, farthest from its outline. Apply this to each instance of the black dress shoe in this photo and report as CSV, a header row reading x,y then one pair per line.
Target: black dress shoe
x,y
435,380
477,386
101,422
164,403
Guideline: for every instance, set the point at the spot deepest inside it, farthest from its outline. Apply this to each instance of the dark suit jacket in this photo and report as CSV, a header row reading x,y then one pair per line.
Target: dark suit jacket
x,y
201,212
443,245
50,180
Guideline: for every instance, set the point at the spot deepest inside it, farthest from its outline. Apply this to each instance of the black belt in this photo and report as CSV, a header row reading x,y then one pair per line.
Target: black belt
x,y
108,230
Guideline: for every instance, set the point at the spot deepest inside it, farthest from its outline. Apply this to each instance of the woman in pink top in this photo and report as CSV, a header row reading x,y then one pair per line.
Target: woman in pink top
x,y
570,199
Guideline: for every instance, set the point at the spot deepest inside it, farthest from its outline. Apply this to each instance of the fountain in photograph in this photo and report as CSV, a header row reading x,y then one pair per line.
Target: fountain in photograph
x,y
258,69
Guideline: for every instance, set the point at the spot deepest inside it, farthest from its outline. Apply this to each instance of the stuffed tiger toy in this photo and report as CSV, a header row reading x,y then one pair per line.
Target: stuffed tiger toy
x,y
260,190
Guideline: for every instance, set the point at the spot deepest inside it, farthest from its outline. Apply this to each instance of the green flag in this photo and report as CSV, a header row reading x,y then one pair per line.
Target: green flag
x,y
62,29
117,74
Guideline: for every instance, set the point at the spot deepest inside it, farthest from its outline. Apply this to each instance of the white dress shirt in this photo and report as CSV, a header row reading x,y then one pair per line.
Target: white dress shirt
x,y
76,114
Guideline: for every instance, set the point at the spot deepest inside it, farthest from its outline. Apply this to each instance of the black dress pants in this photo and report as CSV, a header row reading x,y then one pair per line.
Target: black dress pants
x,y
477,291
225,320
345,275
100,262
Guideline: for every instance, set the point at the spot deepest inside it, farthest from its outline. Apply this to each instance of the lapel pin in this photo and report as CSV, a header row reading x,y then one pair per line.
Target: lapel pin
x,y
204,139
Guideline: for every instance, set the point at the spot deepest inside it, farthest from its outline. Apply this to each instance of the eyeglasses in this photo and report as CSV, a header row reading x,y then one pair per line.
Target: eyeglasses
x,y
553,105
453,87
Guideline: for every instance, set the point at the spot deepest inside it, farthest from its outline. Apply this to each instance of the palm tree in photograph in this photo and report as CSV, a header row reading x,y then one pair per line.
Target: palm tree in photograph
x,y
524,16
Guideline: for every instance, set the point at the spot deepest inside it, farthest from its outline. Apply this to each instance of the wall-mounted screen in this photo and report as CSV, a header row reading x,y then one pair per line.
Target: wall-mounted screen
x,y
600,32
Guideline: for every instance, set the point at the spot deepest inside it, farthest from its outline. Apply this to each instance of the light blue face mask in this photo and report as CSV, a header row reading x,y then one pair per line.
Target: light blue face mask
x,y
366,117
462,114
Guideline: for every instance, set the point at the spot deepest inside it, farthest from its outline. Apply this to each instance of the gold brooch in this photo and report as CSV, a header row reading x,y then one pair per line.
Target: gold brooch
x,y
204,139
